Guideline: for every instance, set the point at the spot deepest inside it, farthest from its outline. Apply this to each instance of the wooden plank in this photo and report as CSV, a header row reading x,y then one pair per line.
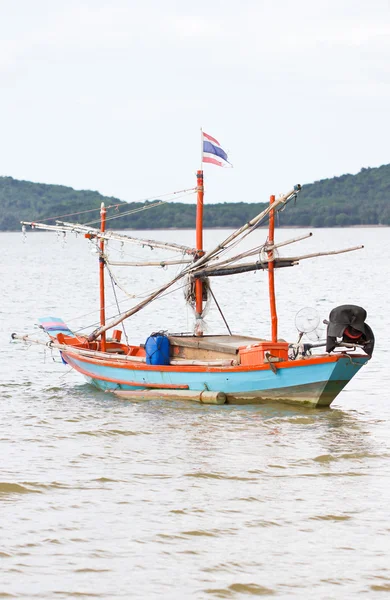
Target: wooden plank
x,y
180,352
220,362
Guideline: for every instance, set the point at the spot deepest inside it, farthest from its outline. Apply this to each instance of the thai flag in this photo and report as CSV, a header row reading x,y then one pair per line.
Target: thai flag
x,y
213,153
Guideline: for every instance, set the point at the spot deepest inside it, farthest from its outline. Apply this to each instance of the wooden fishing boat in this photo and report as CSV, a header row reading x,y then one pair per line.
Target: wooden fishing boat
x,y
213,369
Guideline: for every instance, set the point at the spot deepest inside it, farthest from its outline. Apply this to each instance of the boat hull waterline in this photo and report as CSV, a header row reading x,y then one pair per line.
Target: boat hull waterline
x,y
314,381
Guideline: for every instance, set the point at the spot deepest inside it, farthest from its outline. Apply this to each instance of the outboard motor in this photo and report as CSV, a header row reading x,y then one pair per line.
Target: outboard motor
x,y
347,324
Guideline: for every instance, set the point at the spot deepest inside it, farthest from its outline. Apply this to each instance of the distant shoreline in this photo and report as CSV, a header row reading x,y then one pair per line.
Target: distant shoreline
x,y
347,201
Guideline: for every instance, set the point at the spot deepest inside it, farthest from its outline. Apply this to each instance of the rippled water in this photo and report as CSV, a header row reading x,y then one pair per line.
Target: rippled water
x,y
102,498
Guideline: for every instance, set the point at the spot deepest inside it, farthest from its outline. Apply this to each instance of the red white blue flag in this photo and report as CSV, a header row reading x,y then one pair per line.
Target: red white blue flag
x,y
212,152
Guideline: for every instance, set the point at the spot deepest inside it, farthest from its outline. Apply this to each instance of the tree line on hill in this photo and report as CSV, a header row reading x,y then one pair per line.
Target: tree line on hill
x,y
362,199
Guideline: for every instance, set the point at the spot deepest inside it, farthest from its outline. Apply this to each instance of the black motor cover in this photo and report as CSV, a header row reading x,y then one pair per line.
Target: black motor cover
x,y
347,322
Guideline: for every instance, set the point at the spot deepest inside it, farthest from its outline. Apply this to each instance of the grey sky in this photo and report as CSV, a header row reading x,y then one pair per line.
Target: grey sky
x,y
111,95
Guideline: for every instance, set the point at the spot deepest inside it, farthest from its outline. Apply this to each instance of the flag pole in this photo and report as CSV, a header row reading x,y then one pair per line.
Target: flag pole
x,y
199,241
201,149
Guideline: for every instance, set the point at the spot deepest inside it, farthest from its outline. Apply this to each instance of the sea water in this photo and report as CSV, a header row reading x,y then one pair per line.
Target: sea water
x,y
101,498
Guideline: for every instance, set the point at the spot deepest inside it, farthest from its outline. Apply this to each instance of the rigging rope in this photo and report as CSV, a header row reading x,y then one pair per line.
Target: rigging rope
x,y
81,212
220,310
128,212
121,203
117,305
140,209
132,296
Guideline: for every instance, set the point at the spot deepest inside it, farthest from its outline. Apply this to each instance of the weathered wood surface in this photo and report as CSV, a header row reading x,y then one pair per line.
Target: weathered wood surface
x,y
228,344
64,226
279,263
197,362
183,353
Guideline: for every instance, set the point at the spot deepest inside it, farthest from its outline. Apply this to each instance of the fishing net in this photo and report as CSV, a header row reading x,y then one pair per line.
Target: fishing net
x,y
190,296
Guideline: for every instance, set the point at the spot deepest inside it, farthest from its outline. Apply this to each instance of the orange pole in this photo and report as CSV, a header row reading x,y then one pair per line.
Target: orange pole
x,y
101,277
199,242
271,275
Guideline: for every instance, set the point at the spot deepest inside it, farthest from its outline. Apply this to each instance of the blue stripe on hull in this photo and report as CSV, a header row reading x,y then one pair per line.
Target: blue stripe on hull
x,y
286,383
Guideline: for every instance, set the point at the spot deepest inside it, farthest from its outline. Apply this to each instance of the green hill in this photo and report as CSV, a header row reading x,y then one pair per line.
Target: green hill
x,y
362,199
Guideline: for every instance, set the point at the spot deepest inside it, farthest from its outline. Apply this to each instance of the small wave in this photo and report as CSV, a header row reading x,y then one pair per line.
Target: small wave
x,y
380,588
346,474
331,518
152,476
89,570
302,420
74,594
262,523
324,458
362,455
332,581
16,385
202,533
168,536
250,499
15,488
256,472
202,475
54,485
112,432
250,589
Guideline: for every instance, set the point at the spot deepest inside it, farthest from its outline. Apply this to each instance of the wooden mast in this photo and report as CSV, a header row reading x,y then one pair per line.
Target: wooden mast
x,y
271,274
101,277
199,248
199,240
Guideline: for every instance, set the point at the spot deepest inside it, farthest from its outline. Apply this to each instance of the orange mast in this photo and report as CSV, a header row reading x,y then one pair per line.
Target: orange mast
x,y
271,274
101,277
199,246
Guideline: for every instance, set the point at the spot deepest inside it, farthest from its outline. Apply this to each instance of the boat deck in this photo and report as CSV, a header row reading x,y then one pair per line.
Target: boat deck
x,y
209,346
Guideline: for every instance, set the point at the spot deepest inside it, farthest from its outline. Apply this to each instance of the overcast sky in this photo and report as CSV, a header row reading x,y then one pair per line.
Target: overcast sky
x,y
111,95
